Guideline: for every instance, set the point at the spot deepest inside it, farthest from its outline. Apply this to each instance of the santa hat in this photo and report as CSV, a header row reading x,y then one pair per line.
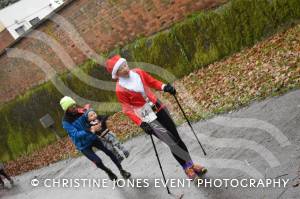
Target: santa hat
x,y
113,64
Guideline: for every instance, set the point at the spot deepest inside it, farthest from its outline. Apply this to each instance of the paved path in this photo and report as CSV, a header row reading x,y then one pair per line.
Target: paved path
x,y
261,141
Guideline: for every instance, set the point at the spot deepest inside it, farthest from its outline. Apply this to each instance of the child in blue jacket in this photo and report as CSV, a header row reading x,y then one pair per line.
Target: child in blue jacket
x,y
108,138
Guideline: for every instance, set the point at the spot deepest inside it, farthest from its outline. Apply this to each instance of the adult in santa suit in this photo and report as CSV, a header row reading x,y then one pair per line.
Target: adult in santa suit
x,y
133,90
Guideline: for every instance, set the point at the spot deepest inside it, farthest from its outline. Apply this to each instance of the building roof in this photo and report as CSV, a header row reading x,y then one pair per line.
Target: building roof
x,y
21,10
64,5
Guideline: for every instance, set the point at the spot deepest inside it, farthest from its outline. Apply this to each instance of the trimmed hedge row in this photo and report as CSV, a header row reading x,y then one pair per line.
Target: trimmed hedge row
x,y
208,36
199,40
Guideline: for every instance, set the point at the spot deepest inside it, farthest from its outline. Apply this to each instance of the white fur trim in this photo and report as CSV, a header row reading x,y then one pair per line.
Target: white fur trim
x,y
132,83
116,67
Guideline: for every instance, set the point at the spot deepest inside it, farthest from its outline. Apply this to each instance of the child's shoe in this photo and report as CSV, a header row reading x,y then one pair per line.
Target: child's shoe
x,y
120,158
126,153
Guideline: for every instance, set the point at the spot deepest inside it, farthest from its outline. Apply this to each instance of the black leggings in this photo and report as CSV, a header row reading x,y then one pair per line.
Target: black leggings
x,y
91,155
171,137
2,172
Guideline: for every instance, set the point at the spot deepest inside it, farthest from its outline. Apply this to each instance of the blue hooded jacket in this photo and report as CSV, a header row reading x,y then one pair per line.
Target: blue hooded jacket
x,y
77,130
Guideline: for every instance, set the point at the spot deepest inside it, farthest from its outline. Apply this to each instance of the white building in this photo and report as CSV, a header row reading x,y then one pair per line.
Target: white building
x,y
22,15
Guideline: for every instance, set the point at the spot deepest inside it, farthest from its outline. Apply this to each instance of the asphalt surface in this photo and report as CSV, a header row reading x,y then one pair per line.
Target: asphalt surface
x,y
259,142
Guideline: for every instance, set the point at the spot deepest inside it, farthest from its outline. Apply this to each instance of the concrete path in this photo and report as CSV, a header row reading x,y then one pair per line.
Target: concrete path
x,y
259,142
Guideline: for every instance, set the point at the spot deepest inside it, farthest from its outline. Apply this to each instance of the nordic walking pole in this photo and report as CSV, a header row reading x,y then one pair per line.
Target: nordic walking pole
x,y
162,172
189,123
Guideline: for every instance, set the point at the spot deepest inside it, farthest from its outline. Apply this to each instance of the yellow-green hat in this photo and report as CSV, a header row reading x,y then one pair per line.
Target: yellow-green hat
x,y
66,102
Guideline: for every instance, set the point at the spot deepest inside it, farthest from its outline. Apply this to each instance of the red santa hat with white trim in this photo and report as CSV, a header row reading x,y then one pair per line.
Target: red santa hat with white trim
x,y
113,64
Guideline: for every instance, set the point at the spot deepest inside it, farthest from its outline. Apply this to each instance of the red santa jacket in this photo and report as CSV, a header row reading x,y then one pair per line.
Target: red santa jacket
x,y
130,99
